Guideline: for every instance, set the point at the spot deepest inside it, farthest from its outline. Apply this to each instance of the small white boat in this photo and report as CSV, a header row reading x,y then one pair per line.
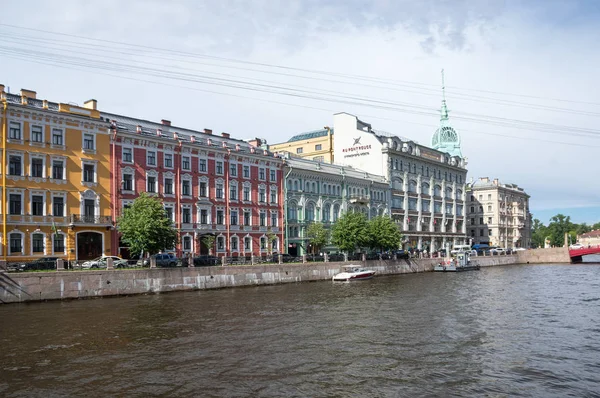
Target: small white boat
x,y
462,262
353,273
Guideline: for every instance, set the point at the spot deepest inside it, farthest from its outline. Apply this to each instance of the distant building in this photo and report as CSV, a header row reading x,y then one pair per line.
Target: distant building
x,y
314,145
56,182
498,214
319,192
590,238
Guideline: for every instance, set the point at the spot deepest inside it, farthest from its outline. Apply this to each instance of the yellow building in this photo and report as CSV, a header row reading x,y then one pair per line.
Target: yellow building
x,y
55,179
314,145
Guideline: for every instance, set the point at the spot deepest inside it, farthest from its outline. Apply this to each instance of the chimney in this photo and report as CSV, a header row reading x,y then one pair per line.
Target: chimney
x,y
255,142
495,181
91,104
484,179
207,131
166,122
225,135
28,93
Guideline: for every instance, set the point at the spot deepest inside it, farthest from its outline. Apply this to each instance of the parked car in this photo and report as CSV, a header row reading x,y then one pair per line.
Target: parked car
x,y
497,251
101,262
402,254
162,260
519,249
206,260
576,246
285,258
44,263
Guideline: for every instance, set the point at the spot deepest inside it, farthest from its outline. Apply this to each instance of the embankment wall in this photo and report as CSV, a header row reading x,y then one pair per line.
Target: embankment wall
x,y
41,286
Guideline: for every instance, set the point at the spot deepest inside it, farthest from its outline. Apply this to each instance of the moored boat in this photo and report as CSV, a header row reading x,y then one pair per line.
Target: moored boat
x,y
462,262
353,273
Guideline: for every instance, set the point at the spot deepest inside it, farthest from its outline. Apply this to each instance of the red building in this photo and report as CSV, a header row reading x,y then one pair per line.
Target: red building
x,y
209,185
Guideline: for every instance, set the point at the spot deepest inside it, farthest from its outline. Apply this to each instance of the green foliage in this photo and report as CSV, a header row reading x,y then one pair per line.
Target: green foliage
x,y
350,232
144,226
271,236
318,236
557,228
208,241
383,234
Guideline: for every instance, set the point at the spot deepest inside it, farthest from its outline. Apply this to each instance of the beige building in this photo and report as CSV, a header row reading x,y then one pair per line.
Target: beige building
x,y
590,238
314,145
498,214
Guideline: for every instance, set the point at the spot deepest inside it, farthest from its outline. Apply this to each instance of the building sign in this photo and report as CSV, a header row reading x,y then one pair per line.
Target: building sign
x,y
356,149
428,154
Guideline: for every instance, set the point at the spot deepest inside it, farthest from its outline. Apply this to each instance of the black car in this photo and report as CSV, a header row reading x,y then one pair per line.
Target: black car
x,y
162,260
285,258
205,260
402,254
44,263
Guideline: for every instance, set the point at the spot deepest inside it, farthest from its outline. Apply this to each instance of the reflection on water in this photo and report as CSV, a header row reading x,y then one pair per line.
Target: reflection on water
x,y
503,331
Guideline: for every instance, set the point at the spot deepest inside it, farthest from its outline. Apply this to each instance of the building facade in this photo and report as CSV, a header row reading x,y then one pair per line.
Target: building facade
x,y
427,185
591,238
55,179
209,184
314,145
498,214
319,192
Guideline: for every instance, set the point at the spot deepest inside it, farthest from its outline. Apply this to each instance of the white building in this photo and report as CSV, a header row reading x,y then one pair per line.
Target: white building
x,y
427,185
498,214
321,192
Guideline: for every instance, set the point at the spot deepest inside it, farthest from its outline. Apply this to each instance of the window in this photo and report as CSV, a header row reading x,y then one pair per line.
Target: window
x,y
202,165
219,167
490,232
37,167
326,212
481,232
273,175
14,204
261,194
319,158
233,192
472,221
220,218
233,217
203,216
37,242
489,208
248,243
263,218
472,209
234,243
57,137
14,165
187,243
318,147
168,186
186,188
14,131
299,150
16,243
273,196
261,173
88,173
58,243
310,213
219,190
37,134
473,233
233,169
185,162
263,243
246,171
220,243
186,216
89,210
58,206
489,196
169,213
247,217
247,194
128,155
274,219
127,182
151,184
37,205
168,160
88,142
203,190
58,169
293,213
481,220
489,220
151,158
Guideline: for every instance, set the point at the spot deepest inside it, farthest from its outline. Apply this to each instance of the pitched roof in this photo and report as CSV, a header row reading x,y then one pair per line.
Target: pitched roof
x,y
309,134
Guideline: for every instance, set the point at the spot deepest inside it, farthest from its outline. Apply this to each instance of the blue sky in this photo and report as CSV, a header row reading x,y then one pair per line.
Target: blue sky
x,y
521,76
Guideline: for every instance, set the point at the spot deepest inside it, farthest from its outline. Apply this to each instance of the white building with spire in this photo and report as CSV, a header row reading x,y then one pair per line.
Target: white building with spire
x,y
427,184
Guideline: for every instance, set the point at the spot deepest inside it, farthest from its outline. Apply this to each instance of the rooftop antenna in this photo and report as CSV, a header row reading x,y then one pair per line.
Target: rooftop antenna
x,y
444,108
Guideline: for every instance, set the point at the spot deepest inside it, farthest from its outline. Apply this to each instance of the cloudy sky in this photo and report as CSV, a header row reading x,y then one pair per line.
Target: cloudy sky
x,y
521,76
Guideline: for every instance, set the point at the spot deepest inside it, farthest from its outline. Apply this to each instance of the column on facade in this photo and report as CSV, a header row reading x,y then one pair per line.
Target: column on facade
x,y
405,204
454,215
419,207
443,193
432,205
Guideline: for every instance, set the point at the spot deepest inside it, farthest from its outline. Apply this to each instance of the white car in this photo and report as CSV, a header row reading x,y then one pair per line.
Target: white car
x,y
498,250
100,262
576,246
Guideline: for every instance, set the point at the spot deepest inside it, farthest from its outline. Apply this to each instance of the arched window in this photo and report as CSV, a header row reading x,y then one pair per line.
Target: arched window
x,y
412,186
437,191
289,185
295,185
336,212
448,193
459,194
398,184
425,188
310,212
292,212
326,212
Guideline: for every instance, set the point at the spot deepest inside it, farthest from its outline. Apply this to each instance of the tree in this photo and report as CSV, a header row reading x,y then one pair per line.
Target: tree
x,y
558,227
271,237
208,240
144,226
318,236
539,232
350,232
383,234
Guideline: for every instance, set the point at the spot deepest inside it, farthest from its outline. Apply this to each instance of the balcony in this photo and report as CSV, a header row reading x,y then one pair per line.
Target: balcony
x,y
75,219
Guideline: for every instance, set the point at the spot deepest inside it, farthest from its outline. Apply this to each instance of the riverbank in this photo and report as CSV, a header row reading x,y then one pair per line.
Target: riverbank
x,y
60,285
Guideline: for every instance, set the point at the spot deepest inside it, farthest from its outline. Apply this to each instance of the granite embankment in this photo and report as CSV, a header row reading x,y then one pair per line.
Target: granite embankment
x,y
58,285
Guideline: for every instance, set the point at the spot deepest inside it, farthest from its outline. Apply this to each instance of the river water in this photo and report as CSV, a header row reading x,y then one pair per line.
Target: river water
x,y
529,330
